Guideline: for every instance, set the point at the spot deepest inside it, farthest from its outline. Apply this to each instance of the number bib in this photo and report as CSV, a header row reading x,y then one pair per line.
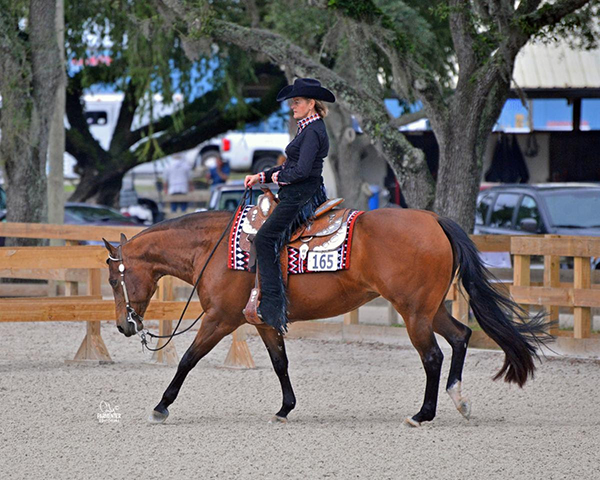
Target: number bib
x,y
322,261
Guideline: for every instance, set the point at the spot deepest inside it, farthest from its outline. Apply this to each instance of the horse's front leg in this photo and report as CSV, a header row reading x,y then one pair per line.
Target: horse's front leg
x,y
276,347
210,334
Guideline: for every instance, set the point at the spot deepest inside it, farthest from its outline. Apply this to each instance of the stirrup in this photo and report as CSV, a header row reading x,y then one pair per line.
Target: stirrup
x,y
251,310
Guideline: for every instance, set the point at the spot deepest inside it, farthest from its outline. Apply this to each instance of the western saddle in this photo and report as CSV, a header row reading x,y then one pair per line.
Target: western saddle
x,y
325,231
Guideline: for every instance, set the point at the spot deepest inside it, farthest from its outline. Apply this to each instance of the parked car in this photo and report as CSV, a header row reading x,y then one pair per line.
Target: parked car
x,y
563,209
83,214
227,196
87,214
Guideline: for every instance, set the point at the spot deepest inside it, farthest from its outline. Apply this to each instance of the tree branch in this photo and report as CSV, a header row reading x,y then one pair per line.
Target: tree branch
x,y
8,34
527,6
409,77
192,114
549,14
252,10
408,118
408,162
202,120
121,139
463,34
79,141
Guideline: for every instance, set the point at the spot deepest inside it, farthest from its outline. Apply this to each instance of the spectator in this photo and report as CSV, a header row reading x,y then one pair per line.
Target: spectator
x,y
219,173
177,181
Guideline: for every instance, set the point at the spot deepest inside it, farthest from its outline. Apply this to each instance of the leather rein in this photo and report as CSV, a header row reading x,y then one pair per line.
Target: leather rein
x,y
132,314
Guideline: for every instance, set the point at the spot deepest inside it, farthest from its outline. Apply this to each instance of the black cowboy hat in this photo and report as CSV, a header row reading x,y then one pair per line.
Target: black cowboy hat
x,y
306,87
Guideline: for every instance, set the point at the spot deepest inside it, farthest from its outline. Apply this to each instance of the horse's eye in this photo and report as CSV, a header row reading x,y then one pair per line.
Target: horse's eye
x,y
113,282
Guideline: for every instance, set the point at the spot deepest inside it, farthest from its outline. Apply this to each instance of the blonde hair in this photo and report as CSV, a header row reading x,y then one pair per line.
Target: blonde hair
x,y
321,108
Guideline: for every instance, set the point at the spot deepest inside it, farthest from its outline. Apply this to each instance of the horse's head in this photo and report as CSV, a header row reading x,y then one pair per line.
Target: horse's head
x,y
132,285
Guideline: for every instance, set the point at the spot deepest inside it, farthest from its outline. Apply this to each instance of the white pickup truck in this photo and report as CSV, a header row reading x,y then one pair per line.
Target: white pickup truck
x,y
253,151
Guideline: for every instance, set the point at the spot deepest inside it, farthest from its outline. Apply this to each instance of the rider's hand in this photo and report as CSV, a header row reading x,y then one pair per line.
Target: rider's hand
x,y
251,180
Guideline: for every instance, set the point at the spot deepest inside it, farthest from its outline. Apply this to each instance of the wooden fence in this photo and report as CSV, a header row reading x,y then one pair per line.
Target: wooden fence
x,y
456,294
580,295
75,264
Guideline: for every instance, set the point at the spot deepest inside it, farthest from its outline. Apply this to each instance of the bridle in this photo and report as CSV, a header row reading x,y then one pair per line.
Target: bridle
x,y
131,313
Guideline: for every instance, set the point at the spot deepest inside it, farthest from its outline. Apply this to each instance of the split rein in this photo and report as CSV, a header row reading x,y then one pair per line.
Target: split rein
x,y
131,313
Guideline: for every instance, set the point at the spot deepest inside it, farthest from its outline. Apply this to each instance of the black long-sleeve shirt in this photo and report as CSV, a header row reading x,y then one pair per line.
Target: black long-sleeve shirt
x,y
305,154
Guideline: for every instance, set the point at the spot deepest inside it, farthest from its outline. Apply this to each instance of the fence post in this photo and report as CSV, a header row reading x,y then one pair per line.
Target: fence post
x,y
582,316
522,272
167,355
351,318
93,348
552,280
239,355
460,304
71,288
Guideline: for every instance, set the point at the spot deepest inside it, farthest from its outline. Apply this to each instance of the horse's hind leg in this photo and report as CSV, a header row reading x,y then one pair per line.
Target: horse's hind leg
x,y
276,347
421,335
457,335
210,333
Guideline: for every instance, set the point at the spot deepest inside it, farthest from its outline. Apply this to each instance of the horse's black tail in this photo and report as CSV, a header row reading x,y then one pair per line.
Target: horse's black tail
x,y
500,317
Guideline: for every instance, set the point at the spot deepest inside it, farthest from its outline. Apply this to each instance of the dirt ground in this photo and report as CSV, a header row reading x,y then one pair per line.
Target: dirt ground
x,y
352,399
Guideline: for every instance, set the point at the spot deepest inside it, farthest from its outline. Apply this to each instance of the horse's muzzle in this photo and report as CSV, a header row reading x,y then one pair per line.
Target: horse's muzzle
x,y
132,325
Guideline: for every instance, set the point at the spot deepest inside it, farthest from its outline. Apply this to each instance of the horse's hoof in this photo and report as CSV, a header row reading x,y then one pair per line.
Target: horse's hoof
x,y
461,402
464,407
409,422
156,418
277,419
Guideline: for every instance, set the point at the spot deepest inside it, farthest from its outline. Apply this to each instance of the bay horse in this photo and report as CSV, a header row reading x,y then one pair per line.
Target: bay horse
x,y
409,257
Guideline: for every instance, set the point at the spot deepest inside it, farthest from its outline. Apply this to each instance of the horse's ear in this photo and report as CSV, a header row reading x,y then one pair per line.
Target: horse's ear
x,y
123,239
112,250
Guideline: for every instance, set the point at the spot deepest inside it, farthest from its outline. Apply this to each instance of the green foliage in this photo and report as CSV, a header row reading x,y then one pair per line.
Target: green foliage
x,y
362,10
147,59
580,29
302,24
425,33
14,42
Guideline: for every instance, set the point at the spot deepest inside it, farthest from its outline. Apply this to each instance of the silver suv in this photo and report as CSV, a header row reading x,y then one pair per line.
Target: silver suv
x,y
562,209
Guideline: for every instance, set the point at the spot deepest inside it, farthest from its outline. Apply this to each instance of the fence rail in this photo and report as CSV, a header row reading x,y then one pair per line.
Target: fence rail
x,y
84,264
76,265
581,296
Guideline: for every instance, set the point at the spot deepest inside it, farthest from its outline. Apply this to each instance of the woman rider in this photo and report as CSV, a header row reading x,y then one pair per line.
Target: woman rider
x,y
301,192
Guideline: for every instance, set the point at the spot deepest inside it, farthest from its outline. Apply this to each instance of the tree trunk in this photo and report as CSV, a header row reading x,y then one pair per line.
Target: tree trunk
x,y
458,174
345,157
28,87
462,141
56,154
25,177
102,189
